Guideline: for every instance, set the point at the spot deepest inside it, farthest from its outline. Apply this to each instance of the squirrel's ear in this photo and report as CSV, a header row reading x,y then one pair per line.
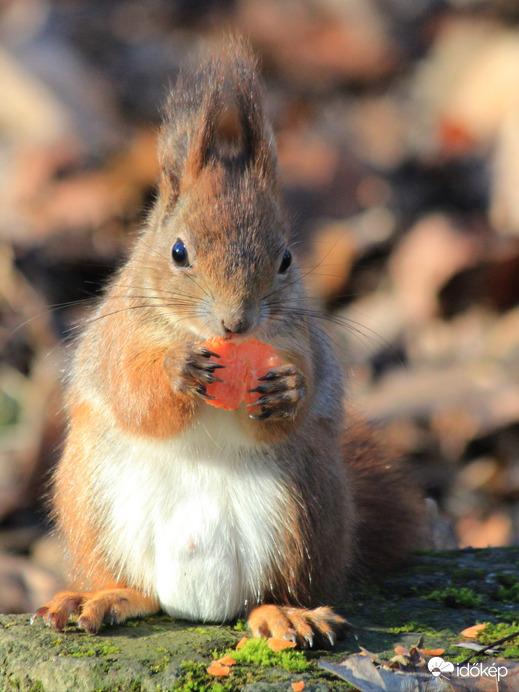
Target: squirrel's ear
x,y
232,123
257,133
204,138
216,113
169,186
171,151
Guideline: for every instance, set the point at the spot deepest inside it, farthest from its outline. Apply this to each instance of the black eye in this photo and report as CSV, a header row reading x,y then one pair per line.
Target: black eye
x,y
285,262
179,254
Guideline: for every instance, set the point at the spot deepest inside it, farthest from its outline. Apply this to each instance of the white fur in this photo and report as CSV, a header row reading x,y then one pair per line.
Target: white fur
x,y
194,518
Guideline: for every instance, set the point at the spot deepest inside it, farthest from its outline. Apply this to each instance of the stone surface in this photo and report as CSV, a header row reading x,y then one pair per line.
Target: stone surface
x,y
437,595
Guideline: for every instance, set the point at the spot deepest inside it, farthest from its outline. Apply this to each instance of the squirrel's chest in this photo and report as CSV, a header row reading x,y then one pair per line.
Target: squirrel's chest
x,y
197,523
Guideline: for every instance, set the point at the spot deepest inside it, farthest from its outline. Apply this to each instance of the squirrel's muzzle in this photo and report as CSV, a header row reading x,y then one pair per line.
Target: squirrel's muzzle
x,y
236,325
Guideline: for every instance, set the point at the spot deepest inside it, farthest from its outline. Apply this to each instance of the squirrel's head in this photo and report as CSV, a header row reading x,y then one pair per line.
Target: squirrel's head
x,y
218,231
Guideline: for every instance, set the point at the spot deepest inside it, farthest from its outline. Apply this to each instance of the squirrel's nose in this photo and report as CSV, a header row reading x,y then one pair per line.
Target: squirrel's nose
x,y
235,326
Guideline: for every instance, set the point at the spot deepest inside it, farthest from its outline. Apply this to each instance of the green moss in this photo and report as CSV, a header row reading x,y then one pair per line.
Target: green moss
x,y
508,591
501,616
494,631
455,655
76,650
82,654
468,573
508,595
194,678
159,666
407,627
453,597
423,569
107,650
241,625
200,630
258,652
37,687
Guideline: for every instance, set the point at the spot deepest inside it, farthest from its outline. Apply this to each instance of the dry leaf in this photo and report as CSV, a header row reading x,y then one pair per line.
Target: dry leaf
x,y
241,643
360,672
401,651
472,646
298,686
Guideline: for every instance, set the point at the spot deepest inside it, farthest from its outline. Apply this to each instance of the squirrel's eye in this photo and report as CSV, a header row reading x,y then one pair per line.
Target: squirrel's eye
x,y
285,262
179,254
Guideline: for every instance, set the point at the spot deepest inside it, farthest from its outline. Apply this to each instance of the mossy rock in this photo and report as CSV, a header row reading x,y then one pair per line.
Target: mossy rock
x,y
436,596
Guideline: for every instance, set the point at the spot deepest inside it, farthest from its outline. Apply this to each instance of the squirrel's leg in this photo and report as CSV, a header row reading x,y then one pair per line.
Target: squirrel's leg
x,y
297,624
112,604
99,596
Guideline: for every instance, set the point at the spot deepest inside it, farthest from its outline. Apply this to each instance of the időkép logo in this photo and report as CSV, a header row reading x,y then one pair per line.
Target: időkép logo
x,y
439,666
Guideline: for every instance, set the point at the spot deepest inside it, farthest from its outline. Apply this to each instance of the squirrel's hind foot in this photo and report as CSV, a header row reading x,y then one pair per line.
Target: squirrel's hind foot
x,y
298,624
95,607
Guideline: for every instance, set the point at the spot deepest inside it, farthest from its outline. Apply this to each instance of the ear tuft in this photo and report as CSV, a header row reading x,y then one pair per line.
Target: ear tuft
x,y
169,186
215,114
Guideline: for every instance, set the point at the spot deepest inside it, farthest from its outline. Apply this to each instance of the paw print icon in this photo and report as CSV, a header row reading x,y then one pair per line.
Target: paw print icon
x,y
437,666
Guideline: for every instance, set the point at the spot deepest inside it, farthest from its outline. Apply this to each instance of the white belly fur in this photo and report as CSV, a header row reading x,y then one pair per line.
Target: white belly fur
x,y
193,519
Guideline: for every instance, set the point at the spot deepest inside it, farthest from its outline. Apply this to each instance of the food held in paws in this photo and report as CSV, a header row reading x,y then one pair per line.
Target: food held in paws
x,y
244,363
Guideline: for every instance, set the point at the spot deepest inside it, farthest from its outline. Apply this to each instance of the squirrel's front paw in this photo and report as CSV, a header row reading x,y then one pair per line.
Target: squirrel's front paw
x,y
282,389
191,370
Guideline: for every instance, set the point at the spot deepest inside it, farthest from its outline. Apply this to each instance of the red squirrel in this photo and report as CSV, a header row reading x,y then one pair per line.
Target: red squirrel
x,y
167,503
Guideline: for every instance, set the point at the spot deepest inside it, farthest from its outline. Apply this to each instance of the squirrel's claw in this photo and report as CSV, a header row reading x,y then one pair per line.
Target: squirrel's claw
x,y
194,372
206,353
282,390
298,624
264,415
201,391
269,376
41,613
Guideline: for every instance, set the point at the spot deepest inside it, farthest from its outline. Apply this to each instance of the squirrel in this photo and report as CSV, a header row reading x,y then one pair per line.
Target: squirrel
x,y
166,503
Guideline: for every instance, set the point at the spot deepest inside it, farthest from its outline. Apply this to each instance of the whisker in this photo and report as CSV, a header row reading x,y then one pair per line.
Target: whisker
x,y
135,307
352,326
209,295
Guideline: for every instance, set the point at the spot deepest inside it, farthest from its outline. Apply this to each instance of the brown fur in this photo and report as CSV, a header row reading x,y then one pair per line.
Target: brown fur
x,y
72,500
349,507
388,506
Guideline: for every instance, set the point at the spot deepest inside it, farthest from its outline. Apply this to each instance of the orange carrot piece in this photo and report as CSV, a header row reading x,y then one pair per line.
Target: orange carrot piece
x,y
226,660
472,632
244,363
432,652
260,359
217,669
229,393
279,644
